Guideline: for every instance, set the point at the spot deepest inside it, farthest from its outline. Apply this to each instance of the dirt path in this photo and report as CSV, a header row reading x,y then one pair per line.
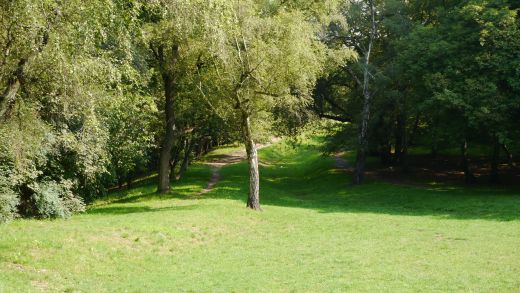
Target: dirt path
x,y
342,164
233,158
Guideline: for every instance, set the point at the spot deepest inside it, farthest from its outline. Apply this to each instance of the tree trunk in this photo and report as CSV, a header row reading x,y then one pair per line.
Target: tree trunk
x,y
253,200
403,160
399,136
120,182
8,97
509,155
411,139
407,142
175,159
468,175
495,160
386,153
169,137
186,159
359,171
207,147
198,149
128,181
405,164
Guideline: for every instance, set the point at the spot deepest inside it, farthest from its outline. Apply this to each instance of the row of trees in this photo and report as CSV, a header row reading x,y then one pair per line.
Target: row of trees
x,y
436,74
96,93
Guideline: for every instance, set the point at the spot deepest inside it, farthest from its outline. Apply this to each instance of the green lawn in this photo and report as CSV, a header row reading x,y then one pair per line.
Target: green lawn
x,y
316,233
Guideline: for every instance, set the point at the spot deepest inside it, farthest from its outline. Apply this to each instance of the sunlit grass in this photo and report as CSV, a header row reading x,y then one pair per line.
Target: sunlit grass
x,y
316,233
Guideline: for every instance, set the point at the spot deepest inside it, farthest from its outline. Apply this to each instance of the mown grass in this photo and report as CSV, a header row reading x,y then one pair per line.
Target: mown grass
x,y
316,233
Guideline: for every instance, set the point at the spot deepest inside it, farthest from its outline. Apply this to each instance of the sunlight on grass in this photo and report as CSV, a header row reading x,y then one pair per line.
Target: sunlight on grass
x,y
317,233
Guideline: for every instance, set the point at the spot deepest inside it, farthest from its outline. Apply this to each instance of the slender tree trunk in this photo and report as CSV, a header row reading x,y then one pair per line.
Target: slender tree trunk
x,y
411,139
253,200
468,175
8,97
129,181
399,136
207,147
186,159
359,171
495,160
386,153
169,137
509,155
407,142
175,159
404,155
199,149
120,182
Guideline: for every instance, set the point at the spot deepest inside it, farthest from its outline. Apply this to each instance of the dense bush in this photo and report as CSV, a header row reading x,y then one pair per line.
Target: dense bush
x,y
55,200
8,200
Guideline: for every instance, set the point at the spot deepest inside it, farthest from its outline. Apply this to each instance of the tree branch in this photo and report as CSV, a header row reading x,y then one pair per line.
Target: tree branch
x,y
336,118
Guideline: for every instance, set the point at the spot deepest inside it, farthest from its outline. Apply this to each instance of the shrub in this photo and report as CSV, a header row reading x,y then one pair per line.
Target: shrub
x,y
8,201
55,200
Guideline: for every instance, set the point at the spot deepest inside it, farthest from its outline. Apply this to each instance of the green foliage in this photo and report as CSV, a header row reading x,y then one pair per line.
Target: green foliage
x,y
63,66
130,121
55,200
265,65
444,72
82,83
8,199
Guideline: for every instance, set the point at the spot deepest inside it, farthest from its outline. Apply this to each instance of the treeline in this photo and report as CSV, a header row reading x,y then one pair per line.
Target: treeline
x,y
94,94
432,74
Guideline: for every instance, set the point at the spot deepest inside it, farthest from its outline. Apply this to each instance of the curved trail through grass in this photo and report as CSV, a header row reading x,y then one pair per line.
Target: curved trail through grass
x,y
224,160
341,163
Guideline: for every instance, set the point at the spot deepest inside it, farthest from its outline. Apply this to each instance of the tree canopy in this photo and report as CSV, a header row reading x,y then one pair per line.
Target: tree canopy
x,y
94,94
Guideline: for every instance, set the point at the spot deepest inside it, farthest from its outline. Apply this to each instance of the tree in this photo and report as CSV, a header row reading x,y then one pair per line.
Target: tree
x,y
358,31
264,58
60,64
175,34
367,95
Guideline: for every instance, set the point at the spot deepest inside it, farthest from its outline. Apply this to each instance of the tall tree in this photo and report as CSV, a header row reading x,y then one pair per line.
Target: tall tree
x,y
367,95
175,32
265,58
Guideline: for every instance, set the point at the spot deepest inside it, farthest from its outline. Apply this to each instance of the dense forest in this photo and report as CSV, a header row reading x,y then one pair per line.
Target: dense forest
x,y
95,94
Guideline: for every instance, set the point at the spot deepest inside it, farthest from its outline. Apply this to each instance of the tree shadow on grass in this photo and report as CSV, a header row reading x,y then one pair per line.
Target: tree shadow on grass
x,y
306,180
121,210
126,201
314,184
186,192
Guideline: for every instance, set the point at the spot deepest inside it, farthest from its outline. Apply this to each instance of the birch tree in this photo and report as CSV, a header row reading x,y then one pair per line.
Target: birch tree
x,y
264,59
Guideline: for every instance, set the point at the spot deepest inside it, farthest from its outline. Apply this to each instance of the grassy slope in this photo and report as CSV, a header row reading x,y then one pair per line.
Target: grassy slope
x,y
316,233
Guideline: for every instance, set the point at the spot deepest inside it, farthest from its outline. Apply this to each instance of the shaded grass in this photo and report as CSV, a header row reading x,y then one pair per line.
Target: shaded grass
x,y
317,233
303,178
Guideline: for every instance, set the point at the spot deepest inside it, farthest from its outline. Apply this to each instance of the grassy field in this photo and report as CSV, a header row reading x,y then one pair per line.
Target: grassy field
x,y
316,233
